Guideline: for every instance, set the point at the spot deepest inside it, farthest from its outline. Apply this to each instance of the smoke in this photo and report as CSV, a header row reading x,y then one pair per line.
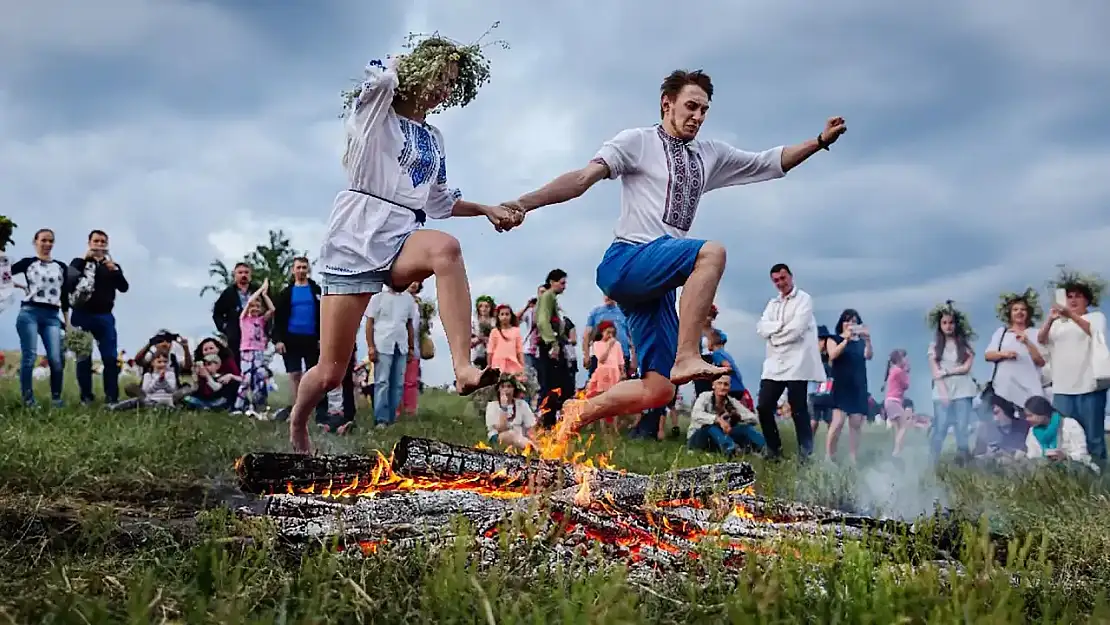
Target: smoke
x,y
903,488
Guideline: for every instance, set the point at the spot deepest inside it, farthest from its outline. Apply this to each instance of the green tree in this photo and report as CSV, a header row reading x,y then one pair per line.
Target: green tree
x,y
272,260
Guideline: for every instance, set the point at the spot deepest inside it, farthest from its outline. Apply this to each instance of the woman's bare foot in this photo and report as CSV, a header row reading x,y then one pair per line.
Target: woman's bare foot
x,y
471,378
691,369
298,437
346,427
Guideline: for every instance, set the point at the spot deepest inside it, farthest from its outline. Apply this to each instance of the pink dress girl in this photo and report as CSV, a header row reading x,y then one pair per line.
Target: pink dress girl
x,y
610,361
506,346
897,383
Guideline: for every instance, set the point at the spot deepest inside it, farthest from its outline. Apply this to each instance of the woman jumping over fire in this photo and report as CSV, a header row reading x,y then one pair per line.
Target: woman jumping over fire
x,y
397,177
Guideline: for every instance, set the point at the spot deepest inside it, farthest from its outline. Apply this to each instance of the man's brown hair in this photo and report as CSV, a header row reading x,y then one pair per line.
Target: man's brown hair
x,y
679,78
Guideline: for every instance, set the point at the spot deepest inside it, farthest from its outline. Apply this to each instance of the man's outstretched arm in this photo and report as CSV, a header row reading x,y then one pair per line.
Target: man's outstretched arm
x,y
794,155
566,187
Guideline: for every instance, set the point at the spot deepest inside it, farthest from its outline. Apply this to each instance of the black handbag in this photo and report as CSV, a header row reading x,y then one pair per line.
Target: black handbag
x,y
987,394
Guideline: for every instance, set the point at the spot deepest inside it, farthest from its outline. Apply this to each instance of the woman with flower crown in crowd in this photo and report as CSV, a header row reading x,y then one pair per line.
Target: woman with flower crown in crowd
x,y
950,358
1070,336
1016,375
397,177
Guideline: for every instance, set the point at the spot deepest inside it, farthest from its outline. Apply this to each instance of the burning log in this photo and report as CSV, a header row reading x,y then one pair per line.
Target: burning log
x,y
268,473
422,457
687,486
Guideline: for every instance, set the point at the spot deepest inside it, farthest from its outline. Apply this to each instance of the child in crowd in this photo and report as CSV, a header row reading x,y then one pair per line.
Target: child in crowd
x,y
158,386
820,393
211,393
1054,437
897,383
719,421
610,367
364,379
509,419
252,352
506,347
721,358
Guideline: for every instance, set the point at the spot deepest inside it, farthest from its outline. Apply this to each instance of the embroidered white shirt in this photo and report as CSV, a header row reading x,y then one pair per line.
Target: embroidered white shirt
x,y
663,178
393,158
1069,350
391,312
790,329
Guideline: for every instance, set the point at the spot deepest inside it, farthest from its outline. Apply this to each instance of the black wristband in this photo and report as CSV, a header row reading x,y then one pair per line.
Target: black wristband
x,y
821,143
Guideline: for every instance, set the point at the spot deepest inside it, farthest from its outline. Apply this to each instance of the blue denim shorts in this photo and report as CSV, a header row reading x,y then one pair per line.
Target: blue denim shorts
x,y
366,282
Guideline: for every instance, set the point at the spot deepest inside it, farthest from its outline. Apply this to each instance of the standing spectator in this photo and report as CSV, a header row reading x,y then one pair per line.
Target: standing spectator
x,y
849,351
1017,366
480,328
552,368
820,393
793,360
410,397
258,310
45,294
390,342
296,327
897,382
570,356
229,307
609,368
531,334
950,359
92,312
611,312
1069,338
506,347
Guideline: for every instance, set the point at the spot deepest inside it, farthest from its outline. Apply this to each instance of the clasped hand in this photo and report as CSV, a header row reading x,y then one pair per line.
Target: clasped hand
x,y
505,216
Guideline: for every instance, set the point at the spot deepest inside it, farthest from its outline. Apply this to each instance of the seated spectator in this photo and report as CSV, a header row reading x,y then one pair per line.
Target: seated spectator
x,y
509,419
720,422
228,366
1000,439
158,387
161,344
1053,436
212,392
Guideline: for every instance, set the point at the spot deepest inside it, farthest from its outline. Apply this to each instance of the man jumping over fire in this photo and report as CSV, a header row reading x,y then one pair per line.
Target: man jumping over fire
x,y
664,170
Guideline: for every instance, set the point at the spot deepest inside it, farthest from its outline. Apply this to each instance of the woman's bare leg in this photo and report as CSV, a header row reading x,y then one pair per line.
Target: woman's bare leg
x,y
832,437
432,253
855,430
340,318
902,426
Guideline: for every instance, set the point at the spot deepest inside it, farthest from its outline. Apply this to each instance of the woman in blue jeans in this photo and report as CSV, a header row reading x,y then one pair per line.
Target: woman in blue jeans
x,y
46,296
950,360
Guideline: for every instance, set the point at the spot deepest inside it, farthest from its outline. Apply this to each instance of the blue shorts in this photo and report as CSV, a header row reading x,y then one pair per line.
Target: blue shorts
x,y
642,278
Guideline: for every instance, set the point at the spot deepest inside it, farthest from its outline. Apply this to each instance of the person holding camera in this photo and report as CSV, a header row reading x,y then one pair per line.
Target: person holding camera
x,y
99,278
161,345
849,350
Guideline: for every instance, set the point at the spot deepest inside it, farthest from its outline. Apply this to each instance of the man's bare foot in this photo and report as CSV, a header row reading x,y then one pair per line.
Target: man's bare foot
x,y
470,379
571,420
694,369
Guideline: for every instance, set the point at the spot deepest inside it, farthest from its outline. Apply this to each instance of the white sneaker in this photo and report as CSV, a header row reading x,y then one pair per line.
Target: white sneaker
x,y
237,413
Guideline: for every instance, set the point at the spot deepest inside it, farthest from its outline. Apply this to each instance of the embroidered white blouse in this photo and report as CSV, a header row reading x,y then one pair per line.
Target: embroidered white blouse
x,y
390,157
663,178
790,329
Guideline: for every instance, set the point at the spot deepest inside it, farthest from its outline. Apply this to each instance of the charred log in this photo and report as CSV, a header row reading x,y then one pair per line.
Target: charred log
x,y
682,487
269,473
421,457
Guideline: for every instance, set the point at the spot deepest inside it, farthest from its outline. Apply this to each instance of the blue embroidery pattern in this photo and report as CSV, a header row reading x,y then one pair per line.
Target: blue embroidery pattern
x,y
685,181
420,155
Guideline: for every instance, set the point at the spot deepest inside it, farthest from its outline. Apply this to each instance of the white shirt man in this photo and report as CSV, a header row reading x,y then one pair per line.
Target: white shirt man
x,y
793,360
390,329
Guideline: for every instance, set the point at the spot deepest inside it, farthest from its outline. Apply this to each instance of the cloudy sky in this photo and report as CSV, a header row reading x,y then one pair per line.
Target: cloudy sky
x,y
977,156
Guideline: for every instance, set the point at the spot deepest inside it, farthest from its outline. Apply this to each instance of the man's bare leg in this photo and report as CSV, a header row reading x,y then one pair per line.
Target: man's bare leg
x,y
693,307
430,252
340,318
627,397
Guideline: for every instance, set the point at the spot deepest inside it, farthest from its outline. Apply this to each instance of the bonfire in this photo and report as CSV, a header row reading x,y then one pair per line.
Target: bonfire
x,y
662,523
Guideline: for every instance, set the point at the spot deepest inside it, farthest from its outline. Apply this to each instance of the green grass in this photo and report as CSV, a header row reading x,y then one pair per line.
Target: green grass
x,y
110,518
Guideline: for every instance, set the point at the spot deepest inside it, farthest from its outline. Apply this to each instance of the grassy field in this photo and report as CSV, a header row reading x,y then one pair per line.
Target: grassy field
x,y
123,518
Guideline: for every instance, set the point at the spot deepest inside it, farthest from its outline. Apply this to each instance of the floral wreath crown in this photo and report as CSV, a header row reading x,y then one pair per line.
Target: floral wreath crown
x,y
1031,299
963,322
1092,285
428,58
